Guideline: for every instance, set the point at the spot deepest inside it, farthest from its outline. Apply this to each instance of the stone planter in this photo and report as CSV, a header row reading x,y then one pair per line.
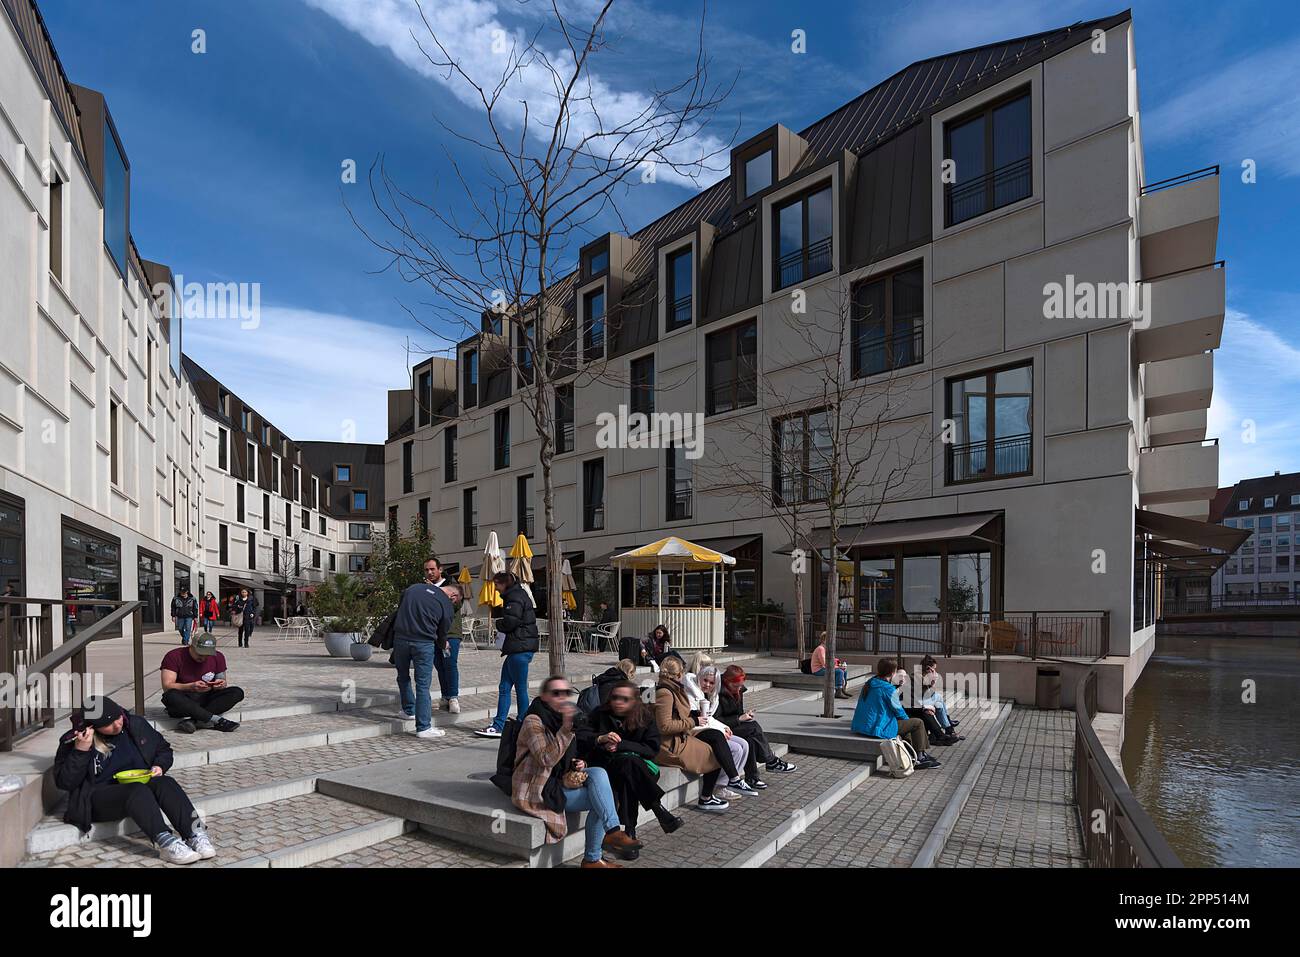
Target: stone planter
x,y
361,650
339,644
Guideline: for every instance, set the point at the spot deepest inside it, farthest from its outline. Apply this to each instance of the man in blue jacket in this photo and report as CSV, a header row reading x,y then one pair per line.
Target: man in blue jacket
x,y
424,616
879,714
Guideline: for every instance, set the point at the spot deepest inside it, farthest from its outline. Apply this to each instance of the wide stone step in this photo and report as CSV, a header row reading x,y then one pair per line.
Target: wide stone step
x,y
419,849
786,674
296,832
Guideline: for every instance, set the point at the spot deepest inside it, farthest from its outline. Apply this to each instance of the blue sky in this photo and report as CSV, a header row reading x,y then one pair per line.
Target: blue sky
x,y
236,157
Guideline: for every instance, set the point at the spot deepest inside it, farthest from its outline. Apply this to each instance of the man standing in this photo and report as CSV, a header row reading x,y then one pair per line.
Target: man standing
x,y
424,617
446,663
244,615
195,689
185,608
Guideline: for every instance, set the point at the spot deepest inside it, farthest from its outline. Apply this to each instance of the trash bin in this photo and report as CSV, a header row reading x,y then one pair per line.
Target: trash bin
x,y
1047,694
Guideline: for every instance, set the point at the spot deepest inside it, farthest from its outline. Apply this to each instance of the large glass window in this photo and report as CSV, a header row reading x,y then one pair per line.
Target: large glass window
x,y
970,582
680,276
680,484
524,505
150,583
758,173
469,379
922,582
992,413
182,575
564,418
886,328
990,153
424,397
643,385
449,454
803,237
116,225
593,495
593,325
802,456
469,516
876,587
12,538
501,439
359,531
92,569
732,368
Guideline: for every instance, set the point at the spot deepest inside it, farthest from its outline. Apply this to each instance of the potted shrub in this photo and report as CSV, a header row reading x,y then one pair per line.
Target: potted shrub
x,y
344,610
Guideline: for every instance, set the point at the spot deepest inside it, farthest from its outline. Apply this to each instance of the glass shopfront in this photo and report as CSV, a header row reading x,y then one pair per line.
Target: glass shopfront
x,y
92,570
151,588
182,575
11,546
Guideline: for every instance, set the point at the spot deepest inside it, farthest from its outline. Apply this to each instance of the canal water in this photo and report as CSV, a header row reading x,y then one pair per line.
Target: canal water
x,y
1219,776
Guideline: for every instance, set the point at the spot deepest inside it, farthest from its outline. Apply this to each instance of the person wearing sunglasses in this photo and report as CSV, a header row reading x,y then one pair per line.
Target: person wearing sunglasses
x,y
681,737
621,736
550,780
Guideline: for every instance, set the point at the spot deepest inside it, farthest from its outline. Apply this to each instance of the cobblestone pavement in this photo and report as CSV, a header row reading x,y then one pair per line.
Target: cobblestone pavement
x,y
713,840
420,849
238,835
884,821
1021,813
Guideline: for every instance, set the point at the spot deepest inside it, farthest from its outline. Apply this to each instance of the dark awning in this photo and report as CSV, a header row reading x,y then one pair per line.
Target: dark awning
x,y
238,582
728,545
1189,531
936,528
603,560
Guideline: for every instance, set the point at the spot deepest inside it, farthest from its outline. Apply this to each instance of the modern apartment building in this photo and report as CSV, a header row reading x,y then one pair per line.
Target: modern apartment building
x,y
279,515
1268,508
101,479
984,214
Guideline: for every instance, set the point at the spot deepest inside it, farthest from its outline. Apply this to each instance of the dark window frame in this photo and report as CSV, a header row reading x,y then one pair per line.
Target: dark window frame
x,y
565,425
809,253
593,513
408,467
675,303
449,464
500,439
424,398
736,333
985,112
674,509
589,261
891,341
744,158
641,389
524,508
469,517
593,348
809,491
365,497
469,382
991,437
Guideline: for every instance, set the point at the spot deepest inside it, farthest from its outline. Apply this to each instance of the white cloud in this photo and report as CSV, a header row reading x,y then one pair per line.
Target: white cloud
x,y
476,36
310,373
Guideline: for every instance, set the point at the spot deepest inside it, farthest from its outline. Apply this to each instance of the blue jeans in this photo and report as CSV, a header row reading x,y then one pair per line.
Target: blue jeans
x,y
940,710
420,654
514,674
841,676
207,625
596,798
448,669
184,625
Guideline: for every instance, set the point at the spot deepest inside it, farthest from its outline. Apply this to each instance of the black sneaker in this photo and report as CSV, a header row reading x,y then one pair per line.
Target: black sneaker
x,y
185,727
953,724
756,784
671,823
925,762
221,724
780,767
712,803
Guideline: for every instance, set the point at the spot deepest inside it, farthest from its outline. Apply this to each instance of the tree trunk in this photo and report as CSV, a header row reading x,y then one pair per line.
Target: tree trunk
x,y
800,635
554,573
832,620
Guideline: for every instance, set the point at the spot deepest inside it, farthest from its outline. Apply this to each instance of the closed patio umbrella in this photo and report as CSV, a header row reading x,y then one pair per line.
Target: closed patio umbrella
x,y
568,585
465,578
521,565
493,562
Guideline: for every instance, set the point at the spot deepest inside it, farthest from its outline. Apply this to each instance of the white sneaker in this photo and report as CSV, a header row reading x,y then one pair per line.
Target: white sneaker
x,y
430,733
201,845
726,794
488,732
742,787
453,705
176,851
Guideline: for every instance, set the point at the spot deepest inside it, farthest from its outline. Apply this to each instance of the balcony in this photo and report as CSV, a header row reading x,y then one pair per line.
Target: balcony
x,y
812,260
1187,472
1178,222
1198,510
1179,385
1185,314
1177,427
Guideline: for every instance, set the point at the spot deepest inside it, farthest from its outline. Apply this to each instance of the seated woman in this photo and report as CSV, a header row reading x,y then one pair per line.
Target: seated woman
x,y
916,709
933,700
106,739
731,711
732,751
658,646
819,667
550,780
679,745
879,715
621,736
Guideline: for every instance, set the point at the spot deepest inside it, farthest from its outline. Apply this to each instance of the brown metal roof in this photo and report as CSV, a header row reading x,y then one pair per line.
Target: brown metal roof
x,y
27,20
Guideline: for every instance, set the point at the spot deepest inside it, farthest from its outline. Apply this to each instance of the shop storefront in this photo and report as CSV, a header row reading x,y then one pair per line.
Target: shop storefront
x,y
92,571
12,546
150,576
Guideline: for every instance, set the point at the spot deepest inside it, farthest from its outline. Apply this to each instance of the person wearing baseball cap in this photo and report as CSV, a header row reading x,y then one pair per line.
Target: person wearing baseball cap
x,y
106,740
195,688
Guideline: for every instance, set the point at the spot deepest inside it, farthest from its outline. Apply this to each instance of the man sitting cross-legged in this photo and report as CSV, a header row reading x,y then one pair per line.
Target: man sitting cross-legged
x,y
195,689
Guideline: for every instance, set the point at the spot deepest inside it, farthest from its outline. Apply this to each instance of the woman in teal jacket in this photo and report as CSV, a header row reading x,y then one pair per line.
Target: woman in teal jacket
x,y
879,714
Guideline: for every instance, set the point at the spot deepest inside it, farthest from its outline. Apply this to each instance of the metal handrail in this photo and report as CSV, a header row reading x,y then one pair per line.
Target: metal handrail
x,y
1180,179
1128,837
1174,445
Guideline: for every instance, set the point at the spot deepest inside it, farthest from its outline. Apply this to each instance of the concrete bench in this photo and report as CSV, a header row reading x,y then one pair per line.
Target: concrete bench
x,y
797,680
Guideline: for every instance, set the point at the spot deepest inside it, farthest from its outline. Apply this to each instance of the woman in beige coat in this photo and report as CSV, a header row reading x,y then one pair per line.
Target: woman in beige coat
x,y
679,748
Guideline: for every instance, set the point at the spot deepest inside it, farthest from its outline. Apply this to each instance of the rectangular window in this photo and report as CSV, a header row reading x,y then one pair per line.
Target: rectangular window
x,y
223,450
1245,504
114,450
360,500
524,505
56,228
322,525
315,558
643,385
358,532
991,162
469,516
275,474
246,420
223,545
731,368
150,347
332,568
424,398
239,502
305,524
1268,501
266,512
408,467
593,325
423,513
315,492
356,563
252,550
275,555
297,559
1284,563
449,454
679,484
524,353
251,450
886,329
564,418
593,495
266,434
469,379
297,484
802,455
680,281
288,518
343,473
392,519
501,439
993,412
116,215
758,173
803,234
597,262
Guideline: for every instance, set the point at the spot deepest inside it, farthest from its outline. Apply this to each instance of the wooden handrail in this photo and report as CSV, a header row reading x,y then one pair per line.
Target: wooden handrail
x,y
43,666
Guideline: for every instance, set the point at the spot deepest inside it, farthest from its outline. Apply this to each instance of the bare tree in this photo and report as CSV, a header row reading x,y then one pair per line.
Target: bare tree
x,y
496,247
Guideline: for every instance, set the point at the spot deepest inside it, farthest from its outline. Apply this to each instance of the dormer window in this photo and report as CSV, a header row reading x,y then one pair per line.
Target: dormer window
x,y
469,379
680,276
597,262
1243,504
758,173
803,237
593,325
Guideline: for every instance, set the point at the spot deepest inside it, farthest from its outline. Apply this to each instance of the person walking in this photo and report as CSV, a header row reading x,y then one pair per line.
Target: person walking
x,y
244,615
516,619
447,661
185,609
424,616
209,611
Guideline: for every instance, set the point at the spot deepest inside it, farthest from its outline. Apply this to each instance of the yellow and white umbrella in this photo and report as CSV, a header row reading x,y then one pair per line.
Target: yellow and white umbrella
x,y
465,578
493,562
521,565
568,585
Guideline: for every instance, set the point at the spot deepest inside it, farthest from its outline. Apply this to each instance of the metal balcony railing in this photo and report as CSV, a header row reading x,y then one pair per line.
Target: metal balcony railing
x,y
1000,187
985,460
904,348
812,260
1180,179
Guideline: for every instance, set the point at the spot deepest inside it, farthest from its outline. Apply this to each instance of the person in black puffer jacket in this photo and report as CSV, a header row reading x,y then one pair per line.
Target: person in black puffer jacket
x,y
732,712
105,739
516,618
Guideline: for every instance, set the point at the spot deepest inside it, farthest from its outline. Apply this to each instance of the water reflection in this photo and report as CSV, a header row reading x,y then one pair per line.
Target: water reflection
x,y
1218,775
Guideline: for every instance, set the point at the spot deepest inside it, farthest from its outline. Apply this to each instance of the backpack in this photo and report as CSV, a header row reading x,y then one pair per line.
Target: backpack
x,y
506,759
805,666
589,700
899,756
630,648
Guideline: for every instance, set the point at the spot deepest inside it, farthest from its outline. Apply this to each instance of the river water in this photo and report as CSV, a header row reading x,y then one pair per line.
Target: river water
x,y
1219,776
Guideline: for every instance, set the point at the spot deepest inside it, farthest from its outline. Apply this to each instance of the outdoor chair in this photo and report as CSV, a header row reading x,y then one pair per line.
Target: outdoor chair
x,y
1063,639
604,636
1004,637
